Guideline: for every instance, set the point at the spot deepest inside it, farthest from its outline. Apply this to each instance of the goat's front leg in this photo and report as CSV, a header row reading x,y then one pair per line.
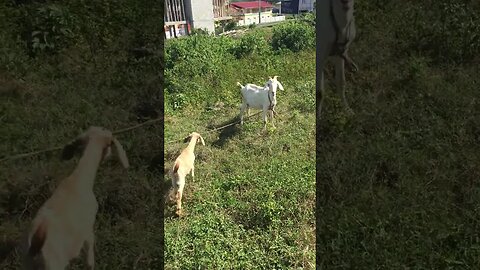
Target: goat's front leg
x,y
90,242
264,119
193,173
271,116
248,111
242,111
349,62
340,81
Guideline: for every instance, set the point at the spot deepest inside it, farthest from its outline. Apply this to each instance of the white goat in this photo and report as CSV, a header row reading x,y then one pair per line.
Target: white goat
x,y
184,164
258,97
337,29
65,222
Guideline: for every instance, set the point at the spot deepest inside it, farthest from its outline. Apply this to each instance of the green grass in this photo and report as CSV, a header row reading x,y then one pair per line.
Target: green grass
x,y
398,183
50,99
251,205
42,112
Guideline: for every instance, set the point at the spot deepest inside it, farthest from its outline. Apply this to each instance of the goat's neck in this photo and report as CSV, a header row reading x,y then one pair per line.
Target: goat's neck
x,y
342,17
191,144
88,164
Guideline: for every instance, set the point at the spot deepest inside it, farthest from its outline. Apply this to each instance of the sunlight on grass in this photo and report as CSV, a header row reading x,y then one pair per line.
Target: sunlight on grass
x,y
251,205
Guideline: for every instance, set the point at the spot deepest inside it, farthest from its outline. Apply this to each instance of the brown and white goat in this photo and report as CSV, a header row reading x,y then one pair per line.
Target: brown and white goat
x,y
65,222
184,164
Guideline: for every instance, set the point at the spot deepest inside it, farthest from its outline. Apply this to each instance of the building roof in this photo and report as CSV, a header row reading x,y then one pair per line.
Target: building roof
x,y
251,4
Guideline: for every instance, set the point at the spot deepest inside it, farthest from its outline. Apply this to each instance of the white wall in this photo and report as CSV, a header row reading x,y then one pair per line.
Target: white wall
x,y
201,14
265,20
306,5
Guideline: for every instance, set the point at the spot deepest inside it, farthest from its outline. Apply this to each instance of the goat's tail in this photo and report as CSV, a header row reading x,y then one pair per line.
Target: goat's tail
x,y
36,241
175,168
239,84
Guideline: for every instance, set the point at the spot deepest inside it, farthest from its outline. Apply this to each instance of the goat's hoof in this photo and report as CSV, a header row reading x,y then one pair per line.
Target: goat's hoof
x,y
179,213
354,68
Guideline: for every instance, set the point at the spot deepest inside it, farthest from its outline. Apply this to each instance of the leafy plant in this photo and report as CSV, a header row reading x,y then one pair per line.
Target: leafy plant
x,y
294,36
250,43
48,28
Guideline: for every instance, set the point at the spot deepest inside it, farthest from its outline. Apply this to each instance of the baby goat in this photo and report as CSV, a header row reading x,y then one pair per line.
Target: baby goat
x,y
65,222
258,97
184,165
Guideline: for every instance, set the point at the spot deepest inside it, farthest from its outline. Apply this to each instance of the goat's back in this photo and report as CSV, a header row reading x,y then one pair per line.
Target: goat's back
x,y
255,96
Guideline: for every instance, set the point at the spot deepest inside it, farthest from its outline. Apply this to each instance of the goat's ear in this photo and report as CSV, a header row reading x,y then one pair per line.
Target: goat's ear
x,y
38,239
201,139
121,153
280,85
275,77
70,149
270,78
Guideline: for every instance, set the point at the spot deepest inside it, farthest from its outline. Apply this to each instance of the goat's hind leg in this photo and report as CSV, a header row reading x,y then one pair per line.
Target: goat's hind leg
x,y
90,242
243,107
349,62
178,197
340,81
264,119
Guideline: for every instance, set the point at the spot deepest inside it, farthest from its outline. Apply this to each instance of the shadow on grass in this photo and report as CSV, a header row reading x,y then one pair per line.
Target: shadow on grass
x,y
166,202
157,167
253,219
226,133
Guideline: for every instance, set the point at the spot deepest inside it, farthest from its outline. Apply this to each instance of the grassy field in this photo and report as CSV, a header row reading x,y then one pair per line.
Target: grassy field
x,y
398,183
251,205
49,97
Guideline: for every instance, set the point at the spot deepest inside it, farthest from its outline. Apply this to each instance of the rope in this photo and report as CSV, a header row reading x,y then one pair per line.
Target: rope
x,y
219,128
18,156
61,147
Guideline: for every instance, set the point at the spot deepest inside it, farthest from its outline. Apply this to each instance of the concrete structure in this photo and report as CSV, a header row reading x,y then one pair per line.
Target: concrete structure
x,y
183,15
306,5
175,19
247,13
221,10
200,14
297,6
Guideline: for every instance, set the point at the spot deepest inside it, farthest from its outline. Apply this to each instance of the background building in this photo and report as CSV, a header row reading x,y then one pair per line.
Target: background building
x,y
297,6
247,13
183,15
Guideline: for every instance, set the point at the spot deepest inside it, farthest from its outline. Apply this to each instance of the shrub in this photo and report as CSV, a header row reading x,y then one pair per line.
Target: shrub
x,y
189,58
47,28
230,26
199,32
251,43
198,54
294,36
